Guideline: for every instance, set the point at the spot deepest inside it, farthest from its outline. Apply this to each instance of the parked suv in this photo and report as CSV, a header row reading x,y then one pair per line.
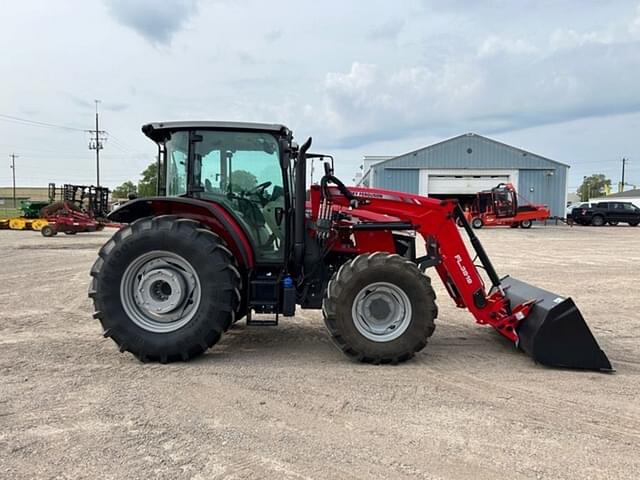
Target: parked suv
x,y
608,212
574,209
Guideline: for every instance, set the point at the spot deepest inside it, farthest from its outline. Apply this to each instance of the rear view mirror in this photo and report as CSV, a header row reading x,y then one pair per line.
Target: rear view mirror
x,y
328,165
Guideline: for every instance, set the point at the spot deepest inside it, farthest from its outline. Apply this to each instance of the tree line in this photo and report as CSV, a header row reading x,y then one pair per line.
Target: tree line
x,y
146,187
596,185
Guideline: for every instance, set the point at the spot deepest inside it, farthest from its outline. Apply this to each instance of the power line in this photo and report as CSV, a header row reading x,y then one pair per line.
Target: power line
x,y
117,140
121,149
36,123
123,146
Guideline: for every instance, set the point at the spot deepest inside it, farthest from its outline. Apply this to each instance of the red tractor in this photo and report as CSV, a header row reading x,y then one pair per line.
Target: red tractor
x,y
231,235
500,207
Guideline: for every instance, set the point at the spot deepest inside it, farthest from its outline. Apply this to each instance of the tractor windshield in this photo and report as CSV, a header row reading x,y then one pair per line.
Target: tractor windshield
x,y
240,170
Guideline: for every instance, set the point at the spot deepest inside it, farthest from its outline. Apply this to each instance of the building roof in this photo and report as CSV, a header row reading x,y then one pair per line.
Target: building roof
x,y
635,193
444,149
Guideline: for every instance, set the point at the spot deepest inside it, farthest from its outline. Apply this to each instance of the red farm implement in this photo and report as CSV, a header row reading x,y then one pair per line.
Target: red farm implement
x,y
502,206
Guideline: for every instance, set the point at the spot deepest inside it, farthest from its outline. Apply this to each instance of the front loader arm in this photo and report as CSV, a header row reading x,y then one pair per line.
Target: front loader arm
x,y
435,220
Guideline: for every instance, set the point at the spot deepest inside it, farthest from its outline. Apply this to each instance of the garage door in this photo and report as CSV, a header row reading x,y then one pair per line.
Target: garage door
x,y
463,184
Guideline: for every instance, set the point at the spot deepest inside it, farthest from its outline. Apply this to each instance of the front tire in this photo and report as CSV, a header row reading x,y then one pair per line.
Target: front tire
x,y
477,223
380,308
526,224
165,289
597,221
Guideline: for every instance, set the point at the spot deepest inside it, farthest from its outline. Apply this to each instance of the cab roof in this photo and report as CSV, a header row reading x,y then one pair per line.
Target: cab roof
x,y
157,131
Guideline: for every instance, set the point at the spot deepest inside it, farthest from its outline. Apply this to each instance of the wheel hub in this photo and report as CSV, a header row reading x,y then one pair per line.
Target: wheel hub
x,y
381,312
160,291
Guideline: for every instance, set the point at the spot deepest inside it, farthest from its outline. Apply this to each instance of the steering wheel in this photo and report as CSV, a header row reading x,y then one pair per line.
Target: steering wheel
x,y
258,189
258,193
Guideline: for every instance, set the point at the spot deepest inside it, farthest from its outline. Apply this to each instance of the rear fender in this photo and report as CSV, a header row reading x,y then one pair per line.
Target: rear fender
x,y
211,214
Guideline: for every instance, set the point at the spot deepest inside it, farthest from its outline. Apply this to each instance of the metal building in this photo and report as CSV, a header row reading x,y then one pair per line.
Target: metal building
x,y
466,164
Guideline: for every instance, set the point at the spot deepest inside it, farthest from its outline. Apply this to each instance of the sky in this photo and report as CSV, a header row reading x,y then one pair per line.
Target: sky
x,y
560,78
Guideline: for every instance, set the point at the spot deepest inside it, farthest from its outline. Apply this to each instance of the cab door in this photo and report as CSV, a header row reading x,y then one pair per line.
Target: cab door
x,y
242,171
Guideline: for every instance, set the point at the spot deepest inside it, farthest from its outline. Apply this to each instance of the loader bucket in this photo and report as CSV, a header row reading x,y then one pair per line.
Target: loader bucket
x,y
554,333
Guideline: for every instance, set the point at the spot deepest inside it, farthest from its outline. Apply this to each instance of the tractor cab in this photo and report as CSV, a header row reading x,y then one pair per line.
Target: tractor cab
x,y
500,201
243,168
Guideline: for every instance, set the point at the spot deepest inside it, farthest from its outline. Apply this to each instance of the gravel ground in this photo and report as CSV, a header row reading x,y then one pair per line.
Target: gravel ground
x,y
284,403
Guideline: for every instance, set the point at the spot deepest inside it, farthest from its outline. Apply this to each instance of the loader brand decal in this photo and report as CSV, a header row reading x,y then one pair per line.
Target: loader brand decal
x,y
368,194
382,196
463,269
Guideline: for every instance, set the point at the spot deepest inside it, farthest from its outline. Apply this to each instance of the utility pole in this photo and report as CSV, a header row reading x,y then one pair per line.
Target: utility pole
x,y
96,143
13,168
624,161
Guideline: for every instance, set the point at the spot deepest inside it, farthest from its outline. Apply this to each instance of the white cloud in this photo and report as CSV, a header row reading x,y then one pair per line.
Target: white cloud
x,y
495,45
634,25
487,93
566,39
360,76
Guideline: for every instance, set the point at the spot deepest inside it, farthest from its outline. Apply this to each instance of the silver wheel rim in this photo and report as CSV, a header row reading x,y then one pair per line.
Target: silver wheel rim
x,y
526,223
160,291
381,312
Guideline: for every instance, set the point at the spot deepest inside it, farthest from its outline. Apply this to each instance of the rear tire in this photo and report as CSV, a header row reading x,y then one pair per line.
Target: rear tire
x,y
633,224
526,224
597,221
386,286
165,289
477,223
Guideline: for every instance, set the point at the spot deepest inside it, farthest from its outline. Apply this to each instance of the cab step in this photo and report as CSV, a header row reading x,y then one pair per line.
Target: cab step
x,y
264,320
